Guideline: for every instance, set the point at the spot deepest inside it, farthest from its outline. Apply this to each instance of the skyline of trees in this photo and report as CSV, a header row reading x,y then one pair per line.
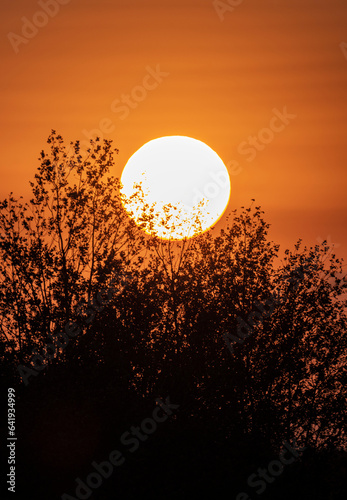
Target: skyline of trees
x,y
162,330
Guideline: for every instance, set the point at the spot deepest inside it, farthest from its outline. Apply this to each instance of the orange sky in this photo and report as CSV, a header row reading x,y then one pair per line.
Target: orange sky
x,y
224,79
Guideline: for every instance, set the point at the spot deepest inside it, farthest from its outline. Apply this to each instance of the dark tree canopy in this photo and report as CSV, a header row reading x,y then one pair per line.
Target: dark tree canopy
x,y
252,347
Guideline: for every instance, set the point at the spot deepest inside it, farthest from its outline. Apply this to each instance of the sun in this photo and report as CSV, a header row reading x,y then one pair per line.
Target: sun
x,y
185,187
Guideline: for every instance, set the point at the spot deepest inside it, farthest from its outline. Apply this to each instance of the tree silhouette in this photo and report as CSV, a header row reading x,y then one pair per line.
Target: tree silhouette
x,y
253,348
62,245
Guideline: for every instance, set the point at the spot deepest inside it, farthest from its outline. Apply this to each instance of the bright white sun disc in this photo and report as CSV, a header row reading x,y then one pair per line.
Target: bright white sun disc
x,y
181,172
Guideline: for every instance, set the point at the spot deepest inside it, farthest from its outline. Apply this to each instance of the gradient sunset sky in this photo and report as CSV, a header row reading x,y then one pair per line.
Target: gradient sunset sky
x,y
225,70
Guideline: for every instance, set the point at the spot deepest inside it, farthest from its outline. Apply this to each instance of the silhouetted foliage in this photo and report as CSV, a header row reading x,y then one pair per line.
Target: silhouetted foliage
x,y
162,332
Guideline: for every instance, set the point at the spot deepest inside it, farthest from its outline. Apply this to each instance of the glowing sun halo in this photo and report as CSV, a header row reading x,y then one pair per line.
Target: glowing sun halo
x,y
181,178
